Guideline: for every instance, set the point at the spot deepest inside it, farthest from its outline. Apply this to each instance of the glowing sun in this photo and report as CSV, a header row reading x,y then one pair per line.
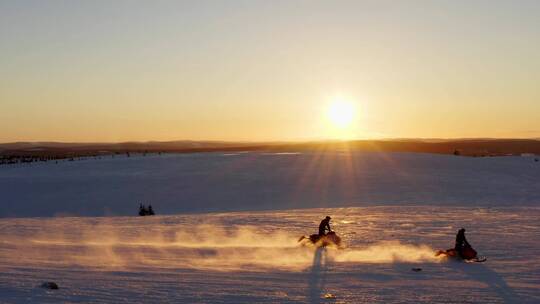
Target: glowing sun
x,y
341,113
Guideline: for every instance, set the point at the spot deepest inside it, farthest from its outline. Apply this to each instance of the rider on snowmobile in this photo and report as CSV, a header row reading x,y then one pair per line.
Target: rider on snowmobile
x,y
461,242
462,249
324,225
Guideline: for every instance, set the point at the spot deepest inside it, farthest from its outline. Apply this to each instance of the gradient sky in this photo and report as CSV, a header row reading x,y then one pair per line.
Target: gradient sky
x,y
267,70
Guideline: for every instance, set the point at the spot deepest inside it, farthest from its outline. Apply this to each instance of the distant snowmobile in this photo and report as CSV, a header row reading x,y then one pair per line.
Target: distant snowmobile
x,y
143,211
329,239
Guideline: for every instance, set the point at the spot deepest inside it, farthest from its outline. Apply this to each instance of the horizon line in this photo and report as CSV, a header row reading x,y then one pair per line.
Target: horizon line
x,y
270,141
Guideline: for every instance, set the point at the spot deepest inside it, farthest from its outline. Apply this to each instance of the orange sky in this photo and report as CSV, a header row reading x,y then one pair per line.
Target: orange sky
x,y
255,70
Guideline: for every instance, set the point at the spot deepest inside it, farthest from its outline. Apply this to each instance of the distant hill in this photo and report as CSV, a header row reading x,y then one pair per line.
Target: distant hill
x,y
465,147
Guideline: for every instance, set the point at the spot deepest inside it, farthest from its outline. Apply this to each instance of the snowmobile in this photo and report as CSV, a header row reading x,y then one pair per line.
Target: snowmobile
x,y
468,255
329,239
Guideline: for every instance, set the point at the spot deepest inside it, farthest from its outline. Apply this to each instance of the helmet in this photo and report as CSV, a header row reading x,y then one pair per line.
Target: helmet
x,y
328,217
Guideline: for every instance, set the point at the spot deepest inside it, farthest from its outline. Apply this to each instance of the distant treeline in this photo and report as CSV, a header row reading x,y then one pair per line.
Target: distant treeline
x,y
15,159
33,157
36,152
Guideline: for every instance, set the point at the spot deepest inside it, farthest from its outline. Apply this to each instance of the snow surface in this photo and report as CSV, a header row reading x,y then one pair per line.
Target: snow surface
x,y
207,182
253,257
407,206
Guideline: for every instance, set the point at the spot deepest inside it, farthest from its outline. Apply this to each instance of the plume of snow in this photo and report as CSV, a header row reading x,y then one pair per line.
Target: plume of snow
x,y
204,246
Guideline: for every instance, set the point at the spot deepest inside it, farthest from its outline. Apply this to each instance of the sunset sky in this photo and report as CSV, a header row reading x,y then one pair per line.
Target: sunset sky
x,y
82,71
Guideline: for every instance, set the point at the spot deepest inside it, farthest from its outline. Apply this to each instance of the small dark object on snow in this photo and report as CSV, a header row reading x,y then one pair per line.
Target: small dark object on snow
x,y
49,285
416,269
536,159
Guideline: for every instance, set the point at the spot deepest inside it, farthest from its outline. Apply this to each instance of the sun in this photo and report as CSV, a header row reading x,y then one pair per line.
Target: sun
x,y
341,113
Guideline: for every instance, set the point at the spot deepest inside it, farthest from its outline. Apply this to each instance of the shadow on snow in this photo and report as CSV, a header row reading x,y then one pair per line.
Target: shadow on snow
x,y
317,275
483,274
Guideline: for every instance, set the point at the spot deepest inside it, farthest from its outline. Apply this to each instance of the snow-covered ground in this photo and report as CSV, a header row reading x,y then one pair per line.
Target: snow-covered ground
x,y
404,207
179,183
251,257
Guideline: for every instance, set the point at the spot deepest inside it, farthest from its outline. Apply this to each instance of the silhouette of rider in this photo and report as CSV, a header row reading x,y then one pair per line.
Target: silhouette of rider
x,y
461,241
324,225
